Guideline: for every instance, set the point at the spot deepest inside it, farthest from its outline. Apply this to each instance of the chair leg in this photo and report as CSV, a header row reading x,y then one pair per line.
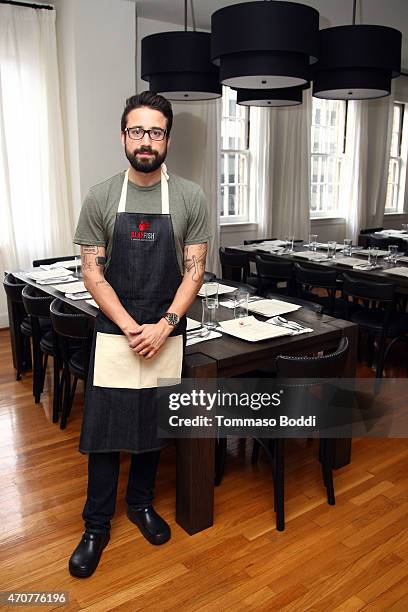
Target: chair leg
x,y
327,472
279,484
220,457
380,358
66,398
37,373
43,370
255,452
56,400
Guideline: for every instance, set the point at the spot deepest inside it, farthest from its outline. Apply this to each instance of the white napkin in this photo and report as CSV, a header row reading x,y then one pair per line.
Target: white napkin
x,y
272,308
350,261
197,339
45,274
312,255
76,287
192,324
398,271
51,281
221,289
70,263
252,330
92,303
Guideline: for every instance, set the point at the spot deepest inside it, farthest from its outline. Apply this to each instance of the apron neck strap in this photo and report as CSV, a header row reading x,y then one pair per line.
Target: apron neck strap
x,y
164,192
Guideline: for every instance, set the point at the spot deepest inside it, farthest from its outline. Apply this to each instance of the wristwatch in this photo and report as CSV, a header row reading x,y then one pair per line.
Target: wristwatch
x,y
172,318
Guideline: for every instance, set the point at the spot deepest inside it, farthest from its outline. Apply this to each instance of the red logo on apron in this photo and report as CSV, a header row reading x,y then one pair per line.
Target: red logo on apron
x,y
142,233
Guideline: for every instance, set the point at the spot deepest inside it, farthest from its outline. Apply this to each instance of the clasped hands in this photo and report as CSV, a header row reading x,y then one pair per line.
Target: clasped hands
x,y
148,339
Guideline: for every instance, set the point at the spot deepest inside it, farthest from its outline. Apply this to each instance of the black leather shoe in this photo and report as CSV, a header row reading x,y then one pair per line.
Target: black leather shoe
x,y
85,558
153,527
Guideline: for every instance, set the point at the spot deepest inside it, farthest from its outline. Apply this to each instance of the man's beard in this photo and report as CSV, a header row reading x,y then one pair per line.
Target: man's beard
x,y
146,164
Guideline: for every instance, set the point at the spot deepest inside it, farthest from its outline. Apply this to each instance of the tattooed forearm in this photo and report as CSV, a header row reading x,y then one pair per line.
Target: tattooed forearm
x,y
194,260
101,282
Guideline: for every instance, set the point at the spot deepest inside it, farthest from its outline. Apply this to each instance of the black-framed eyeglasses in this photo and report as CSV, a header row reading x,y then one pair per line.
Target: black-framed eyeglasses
x,y
137,133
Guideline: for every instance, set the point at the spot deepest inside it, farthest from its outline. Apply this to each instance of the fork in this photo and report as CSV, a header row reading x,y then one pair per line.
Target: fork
x,y
285,323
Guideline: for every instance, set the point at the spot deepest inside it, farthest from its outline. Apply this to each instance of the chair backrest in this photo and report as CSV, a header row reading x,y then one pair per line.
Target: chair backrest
x,y
330,365
273,268
371,230
36,303
13,288
234,265
316,278
69,324
383,242
258,240
209,276
51,260
313,306
368,290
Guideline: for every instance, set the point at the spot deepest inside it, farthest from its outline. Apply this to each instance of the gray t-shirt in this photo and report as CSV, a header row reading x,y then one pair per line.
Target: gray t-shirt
x,y
186,202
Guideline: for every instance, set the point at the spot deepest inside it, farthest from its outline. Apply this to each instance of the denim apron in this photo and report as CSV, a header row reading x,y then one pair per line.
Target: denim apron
x,y
120,411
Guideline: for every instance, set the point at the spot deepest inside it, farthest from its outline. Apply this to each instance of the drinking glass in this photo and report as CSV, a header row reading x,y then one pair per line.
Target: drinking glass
x,y
392,252
404,227
347,244
312,242
209,313
241,298
211,290
372,256
289,243
78,266
331,249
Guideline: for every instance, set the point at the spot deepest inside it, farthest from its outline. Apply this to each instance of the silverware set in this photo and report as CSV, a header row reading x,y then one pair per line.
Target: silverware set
x,y
282,322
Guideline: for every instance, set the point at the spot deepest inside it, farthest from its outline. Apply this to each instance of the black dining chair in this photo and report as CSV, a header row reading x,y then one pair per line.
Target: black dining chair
x,y
20,343
74,333
258,240
37,306
244,286
50,260
373,309
309,278
234,265
383,242
272,272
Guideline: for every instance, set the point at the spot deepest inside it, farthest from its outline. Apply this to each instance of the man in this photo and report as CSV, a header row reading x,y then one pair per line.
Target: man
x,y
143,236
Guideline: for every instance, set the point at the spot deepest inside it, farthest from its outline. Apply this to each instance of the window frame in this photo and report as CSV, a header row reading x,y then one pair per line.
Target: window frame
x,y
228,220
400,163
338,160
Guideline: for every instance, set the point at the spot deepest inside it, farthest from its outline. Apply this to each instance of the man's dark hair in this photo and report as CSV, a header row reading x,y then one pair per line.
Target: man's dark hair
x,y
151,100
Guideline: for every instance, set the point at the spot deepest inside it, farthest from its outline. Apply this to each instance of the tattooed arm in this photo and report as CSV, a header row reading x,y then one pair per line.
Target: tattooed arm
x,y
153,336
93,263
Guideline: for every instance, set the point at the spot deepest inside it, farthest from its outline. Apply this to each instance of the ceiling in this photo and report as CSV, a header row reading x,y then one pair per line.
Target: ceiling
x,y
392,13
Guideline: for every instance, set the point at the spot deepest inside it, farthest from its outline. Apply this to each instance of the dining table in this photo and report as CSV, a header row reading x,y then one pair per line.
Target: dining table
x,y
224,357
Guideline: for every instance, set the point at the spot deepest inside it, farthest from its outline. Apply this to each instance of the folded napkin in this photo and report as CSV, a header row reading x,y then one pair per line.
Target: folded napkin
x,y
252,330
76,287
221,289
92,303
312,255
46,274
196,339
272,308
51,281
192,324
398,271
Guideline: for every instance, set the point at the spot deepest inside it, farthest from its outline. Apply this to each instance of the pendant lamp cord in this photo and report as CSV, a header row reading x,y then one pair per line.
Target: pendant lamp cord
x,y
192,15
354,11
185,15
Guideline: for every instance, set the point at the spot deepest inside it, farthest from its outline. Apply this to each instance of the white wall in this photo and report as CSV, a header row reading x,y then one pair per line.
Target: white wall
x,y
96,41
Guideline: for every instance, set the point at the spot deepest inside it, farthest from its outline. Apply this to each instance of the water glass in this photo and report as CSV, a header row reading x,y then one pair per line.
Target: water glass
x,y
392,253
404,227
209,313
241,298
372,256
78,263
211,290
313,242
347,246
289,244
331,249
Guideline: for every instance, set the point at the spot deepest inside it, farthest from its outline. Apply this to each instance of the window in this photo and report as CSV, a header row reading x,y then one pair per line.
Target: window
x,y
328,145
234,159
394,202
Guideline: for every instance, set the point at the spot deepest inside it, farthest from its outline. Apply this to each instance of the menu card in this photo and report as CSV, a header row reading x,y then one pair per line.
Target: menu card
x,y
252,330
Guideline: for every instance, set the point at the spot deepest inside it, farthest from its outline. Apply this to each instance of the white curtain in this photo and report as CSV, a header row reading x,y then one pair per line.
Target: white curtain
x,y
199,123
35,218
363,181
280,145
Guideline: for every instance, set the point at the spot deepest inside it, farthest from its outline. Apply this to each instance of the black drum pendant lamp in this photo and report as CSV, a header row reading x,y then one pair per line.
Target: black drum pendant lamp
x,y
357,62
285,96
264,45
178,65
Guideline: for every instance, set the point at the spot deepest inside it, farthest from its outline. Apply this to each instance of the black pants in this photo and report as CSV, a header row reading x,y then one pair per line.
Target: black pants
x,y
103,474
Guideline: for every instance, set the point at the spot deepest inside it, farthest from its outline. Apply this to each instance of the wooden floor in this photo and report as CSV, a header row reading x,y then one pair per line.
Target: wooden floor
x,y
353,556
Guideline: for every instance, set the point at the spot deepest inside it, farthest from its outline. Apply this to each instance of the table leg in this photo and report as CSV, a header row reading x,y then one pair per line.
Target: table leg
x,y
196,463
